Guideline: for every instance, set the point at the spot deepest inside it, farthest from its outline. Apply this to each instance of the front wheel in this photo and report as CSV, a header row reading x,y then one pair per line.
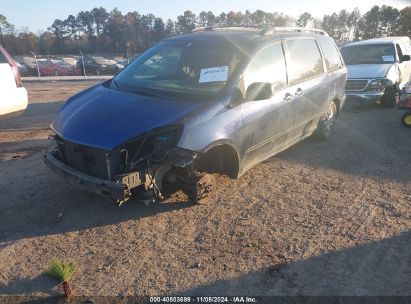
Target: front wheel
x,y
327,122
199,186
406,119
389,99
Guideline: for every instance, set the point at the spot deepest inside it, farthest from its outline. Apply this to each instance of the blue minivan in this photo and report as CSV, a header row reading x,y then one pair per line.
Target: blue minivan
x,y
215,100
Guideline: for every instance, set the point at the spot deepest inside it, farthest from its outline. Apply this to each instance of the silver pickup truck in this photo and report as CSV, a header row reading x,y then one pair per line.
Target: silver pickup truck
x,y
377,69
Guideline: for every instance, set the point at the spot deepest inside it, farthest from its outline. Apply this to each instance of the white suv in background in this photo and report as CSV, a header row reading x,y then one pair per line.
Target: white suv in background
x,y
377,69
13,96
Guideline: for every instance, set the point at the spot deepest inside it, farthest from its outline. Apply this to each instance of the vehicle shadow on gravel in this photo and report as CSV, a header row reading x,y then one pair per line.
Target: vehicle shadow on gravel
x,y
36,116
28,286
379,268
89,212
50,206
370,142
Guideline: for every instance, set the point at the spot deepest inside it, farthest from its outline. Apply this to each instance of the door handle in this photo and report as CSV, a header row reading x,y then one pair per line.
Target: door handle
x,y
299,92
287,97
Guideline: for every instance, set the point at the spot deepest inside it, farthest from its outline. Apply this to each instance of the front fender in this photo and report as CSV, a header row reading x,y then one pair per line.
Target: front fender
x,y
223,127
221,142
394,74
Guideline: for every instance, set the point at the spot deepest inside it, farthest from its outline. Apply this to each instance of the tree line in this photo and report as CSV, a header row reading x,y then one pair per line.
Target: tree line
x,y
102,31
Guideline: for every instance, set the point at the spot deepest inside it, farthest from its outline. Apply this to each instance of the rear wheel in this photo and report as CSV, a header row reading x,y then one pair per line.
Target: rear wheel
x,y
327,122
406,119
389,99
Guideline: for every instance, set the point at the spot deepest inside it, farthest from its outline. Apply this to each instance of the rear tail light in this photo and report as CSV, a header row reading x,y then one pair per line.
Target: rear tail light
x,y
16,73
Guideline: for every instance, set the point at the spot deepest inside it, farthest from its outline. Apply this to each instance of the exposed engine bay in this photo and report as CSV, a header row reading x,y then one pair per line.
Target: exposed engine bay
x,y
139,167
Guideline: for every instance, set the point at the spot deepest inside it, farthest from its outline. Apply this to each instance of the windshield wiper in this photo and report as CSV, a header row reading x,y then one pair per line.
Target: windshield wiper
x,y
139,92
146,93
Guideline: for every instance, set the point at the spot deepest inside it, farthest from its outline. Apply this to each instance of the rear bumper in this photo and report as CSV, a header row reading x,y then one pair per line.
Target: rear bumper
x,y
116,191
366,97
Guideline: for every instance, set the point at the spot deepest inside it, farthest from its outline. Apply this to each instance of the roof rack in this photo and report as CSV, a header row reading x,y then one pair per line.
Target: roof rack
x,y
203,28
263,30
270,31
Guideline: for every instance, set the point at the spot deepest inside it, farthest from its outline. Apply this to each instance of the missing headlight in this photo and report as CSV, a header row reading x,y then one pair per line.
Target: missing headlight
x,y
151,147
161,145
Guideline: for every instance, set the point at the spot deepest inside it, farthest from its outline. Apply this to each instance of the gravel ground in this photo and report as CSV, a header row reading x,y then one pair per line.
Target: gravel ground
x,y
322,218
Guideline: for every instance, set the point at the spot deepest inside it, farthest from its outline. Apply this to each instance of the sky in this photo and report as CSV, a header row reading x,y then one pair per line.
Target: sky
x,y
38,15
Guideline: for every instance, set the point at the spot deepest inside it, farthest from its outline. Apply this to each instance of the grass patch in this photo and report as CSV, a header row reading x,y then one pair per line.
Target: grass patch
x,y
61,270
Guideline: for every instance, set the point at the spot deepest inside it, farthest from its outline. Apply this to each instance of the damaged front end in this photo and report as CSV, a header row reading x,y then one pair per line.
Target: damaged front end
x,y
139,167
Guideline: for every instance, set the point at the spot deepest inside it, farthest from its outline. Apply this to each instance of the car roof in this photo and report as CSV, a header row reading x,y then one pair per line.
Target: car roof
x,y
384,40
245,36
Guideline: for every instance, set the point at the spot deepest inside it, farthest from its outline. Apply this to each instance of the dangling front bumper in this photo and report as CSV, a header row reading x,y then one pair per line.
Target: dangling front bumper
x,y
115,190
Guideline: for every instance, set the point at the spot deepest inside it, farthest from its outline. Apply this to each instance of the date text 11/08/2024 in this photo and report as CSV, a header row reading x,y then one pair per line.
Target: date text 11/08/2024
x,y
185,299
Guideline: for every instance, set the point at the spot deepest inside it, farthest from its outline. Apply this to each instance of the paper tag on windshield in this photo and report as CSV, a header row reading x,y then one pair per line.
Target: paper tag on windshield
x,y
388,58
214,74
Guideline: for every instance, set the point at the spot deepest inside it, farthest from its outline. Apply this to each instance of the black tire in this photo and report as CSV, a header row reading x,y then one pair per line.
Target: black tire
x,y
406,119
203,190
198,186
389,99
327,122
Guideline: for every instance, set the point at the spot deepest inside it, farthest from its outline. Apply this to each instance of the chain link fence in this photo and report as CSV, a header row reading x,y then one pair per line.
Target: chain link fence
x,y
78,65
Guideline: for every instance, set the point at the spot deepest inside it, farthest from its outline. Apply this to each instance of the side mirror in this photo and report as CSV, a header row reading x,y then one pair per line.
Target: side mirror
x,y
405,58
259,91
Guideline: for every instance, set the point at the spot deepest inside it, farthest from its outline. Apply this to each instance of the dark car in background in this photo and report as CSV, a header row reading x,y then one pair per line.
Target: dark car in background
x,y
218,100
94,65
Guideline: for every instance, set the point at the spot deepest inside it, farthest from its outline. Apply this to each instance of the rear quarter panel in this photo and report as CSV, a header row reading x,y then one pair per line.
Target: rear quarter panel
x,y
337,82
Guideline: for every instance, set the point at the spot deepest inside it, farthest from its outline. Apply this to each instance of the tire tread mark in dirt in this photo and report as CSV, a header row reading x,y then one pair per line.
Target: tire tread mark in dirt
x,y
359,218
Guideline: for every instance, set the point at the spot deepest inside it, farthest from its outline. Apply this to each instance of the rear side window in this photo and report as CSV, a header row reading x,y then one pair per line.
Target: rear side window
x,y
303,60
331,55
3,58
268,66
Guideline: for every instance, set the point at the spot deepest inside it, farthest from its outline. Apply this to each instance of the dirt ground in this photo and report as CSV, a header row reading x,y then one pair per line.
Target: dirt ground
x,y
323,218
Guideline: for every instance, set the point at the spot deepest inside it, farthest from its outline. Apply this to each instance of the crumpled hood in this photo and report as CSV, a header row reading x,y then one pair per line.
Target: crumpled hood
x,y
368,71
105,118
